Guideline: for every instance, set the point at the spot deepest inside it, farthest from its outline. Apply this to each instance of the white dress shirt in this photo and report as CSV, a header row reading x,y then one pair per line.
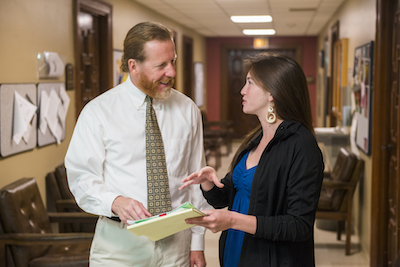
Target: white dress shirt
x,y
106,157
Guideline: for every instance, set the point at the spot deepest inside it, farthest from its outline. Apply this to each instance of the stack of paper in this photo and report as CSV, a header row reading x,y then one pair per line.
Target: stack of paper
x,y
166,224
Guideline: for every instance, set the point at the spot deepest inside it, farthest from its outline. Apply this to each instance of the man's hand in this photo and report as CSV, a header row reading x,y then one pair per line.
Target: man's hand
x,y
197,259
129,209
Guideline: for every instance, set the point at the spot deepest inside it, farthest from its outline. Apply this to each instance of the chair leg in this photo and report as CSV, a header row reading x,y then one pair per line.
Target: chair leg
x,y
228,146
348,237
349,224
339,230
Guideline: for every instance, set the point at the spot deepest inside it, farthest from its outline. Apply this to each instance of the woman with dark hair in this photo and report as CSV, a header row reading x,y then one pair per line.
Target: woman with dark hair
x,y
274,182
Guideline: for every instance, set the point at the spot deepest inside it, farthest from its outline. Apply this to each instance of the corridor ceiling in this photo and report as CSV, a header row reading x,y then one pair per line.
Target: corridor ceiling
x,y
211,18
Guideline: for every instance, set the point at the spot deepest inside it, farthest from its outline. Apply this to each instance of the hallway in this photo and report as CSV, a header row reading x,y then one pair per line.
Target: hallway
x,y
329,252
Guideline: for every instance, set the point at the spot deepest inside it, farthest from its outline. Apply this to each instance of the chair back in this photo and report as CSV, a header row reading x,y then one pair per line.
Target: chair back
x,y
53,193
336,200
342,172
354,179
333,199
344,166
61,177
22,211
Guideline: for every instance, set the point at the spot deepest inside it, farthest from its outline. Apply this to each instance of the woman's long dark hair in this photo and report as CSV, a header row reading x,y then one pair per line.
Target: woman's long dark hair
x,y
283,77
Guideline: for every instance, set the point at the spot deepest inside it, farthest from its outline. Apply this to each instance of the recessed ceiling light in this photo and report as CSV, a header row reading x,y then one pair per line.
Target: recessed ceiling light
x,y
259,32
251,19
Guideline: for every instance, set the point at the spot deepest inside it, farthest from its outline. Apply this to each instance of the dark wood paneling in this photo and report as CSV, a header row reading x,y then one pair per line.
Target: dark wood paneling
x,y
188,72
93,50
383,166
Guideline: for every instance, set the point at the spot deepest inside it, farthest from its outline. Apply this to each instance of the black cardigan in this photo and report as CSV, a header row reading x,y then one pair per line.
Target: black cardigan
x,y
284,198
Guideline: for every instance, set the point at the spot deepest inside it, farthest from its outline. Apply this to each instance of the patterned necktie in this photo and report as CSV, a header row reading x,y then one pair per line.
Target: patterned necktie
x,y
158,196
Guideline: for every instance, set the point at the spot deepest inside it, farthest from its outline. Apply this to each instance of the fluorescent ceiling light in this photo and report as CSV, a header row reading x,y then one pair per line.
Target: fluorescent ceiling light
x,y
259,32
251,19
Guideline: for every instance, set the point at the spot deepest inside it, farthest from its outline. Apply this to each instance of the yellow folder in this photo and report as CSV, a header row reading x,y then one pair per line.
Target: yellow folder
x,y
163,225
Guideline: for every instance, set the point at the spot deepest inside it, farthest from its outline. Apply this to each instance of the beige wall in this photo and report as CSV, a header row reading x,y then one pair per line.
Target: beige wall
x,y
28,27
357,20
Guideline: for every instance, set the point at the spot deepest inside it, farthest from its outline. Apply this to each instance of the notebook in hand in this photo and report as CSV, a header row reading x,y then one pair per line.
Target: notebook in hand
x,y
166,224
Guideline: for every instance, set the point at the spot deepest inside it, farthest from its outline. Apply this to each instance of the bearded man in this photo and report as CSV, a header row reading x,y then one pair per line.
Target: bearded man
x,y
106,162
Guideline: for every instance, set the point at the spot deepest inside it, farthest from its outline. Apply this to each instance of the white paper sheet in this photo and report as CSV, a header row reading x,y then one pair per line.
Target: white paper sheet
x,y
24,111
353,132
52,116
44,109
62,111
53,112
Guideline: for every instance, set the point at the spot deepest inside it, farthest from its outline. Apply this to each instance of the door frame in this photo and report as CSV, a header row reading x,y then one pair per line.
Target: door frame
x,y
224,67
188,72
104,11
381,133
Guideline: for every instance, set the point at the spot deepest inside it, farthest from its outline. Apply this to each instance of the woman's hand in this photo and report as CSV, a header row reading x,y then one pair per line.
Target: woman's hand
x,y
217,220
207,177
220,220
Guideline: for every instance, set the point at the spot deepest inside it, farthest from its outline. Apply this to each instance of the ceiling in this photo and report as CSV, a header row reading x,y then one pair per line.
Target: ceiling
x,y
211,18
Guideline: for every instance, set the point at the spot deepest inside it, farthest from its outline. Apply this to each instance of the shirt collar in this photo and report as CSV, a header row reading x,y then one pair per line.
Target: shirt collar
x,y
138,97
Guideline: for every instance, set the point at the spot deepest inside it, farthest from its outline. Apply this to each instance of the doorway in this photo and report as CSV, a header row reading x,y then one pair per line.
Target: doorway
x,y
233,59
93,50
188,72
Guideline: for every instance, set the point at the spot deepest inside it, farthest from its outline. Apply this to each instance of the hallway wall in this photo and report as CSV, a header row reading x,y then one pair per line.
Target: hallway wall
x,y
357,20
29,27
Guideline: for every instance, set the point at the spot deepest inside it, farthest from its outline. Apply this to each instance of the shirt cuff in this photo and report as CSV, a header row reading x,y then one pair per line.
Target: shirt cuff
x,y
197,243
109,200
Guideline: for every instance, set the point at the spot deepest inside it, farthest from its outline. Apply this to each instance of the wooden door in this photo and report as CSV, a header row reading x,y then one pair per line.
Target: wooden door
x,y
89,82
394,148
188,85
93,50
331,91
385,235
236,75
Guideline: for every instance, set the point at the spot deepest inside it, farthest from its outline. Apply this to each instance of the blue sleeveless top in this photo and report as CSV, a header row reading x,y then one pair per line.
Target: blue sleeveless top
x,y
242,179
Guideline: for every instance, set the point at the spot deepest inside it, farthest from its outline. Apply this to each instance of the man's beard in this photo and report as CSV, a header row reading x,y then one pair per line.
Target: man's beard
x,y
151,89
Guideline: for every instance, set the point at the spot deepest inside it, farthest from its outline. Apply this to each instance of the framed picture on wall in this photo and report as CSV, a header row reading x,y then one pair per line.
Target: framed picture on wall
x,y
339,76
119,76
362,89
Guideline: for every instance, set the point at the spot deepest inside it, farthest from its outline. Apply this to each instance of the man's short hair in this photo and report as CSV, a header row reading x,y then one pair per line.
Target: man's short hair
x,y
138,36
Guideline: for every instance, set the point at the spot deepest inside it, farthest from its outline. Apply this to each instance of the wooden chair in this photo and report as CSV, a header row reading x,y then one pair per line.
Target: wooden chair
x,y
219,131
27,238
336,200
212,149
59,198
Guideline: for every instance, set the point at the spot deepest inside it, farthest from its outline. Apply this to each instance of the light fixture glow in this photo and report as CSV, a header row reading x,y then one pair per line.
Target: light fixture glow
x,y
251,19
259,32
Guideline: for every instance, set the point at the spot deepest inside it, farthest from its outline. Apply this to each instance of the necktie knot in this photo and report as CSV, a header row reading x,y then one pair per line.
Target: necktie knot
x,y
149,100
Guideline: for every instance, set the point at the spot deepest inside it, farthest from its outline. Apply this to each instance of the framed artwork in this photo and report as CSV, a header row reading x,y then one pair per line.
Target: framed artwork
x,y
52,113
339,76
118,76
362,89
18,118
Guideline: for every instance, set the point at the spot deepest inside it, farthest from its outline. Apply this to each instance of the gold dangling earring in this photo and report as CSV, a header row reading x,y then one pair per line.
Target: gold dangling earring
x,y
271,116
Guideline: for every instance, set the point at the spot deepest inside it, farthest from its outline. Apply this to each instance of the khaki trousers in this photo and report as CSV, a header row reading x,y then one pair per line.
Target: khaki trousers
x,y
114,245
